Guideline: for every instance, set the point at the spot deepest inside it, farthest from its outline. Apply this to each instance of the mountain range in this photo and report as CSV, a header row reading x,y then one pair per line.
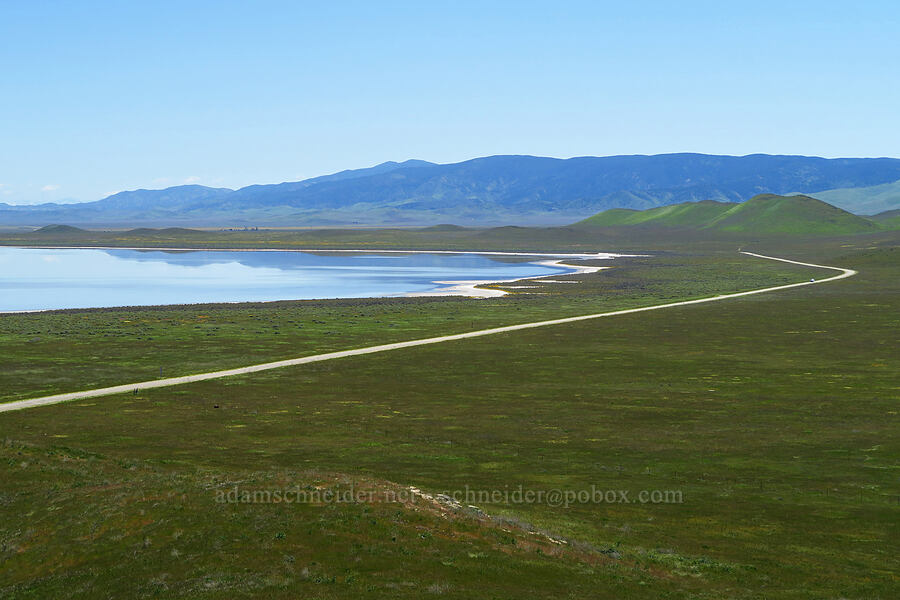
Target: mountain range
x,y
494,190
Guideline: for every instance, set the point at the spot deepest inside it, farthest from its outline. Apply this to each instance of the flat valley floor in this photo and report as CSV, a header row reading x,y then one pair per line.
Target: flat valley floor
x,y
774,416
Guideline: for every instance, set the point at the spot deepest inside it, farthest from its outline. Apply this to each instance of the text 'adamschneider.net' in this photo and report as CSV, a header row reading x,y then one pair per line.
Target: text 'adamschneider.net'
x,y
466,496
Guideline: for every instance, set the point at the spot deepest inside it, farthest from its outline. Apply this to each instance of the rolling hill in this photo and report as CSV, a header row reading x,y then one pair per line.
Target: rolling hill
x,y
495,190
889,219
864,200
762,214
687,214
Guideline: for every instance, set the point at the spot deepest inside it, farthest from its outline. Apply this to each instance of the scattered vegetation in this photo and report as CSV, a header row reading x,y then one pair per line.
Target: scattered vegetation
x,y
64,351
774,415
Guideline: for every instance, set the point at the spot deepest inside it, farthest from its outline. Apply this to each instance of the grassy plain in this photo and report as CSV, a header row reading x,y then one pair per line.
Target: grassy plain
x,y
775,416
45,353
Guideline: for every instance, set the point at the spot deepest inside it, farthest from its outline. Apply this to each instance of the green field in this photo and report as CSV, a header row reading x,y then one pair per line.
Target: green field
x,y
66,351
775,418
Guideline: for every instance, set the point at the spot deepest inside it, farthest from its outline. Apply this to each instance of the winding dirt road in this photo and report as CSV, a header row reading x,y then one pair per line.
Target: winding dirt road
x,y
158,383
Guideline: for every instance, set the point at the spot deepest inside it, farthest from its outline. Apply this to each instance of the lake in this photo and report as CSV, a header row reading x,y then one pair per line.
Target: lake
x,y
42,279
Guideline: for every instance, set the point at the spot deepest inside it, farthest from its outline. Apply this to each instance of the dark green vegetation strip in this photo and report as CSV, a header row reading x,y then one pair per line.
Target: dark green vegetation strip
x,y
612,235
775,416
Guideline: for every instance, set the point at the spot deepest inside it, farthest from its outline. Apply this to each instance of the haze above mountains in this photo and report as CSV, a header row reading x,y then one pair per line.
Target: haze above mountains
x,y
495,190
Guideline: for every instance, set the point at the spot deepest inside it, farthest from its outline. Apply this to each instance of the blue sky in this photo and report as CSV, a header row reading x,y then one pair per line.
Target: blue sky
x,y
97,97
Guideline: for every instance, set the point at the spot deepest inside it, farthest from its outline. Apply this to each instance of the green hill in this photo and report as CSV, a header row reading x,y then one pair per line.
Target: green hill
x,y
766,213
687,214
444,227
889,219
769,213
59,230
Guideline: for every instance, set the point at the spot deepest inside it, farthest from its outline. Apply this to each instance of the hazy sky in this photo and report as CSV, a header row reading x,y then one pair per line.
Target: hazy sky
x,y
97,97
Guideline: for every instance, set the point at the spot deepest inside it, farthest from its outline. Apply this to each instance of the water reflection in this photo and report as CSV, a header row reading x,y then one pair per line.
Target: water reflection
x,y
37,279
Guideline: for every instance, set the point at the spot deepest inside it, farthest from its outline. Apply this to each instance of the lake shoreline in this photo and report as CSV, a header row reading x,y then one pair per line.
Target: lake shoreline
x,y
470,288
456,287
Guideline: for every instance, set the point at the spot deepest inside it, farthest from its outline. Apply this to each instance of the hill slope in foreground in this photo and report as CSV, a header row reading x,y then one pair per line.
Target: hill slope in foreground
x,y
766,213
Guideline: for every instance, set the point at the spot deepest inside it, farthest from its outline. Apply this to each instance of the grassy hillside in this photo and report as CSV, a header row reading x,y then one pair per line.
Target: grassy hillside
x,y
762,214
59,231
688,214
889,219
769,213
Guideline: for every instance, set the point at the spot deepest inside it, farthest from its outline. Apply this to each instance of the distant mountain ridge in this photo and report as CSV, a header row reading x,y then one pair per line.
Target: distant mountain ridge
x,y
494,190
869,200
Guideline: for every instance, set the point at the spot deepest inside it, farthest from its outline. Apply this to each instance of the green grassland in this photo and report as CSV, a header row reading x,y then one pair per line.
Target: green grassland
x,y
688,214
64,351
775,416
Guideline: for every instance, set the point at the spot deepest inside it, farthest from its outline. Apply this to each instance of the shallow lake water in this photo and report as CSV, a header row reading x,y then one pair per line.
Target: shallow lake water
x,y
40,279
